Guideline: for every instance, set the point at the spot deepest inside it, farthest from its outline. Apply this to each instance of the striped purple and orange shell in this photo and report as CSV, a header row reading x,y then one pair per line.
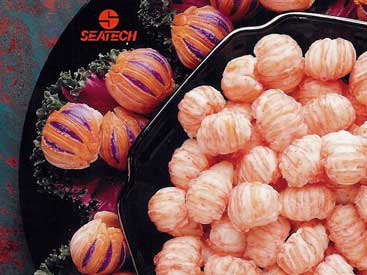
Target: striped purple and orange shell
x,y
236,10
70,138
119,130
99,247
361,9
140,79
196,32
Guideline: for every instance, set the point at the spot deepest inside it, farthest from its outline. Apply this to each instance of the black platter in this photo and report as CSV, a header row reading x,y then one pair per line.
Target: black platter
x,y
50,222
149,157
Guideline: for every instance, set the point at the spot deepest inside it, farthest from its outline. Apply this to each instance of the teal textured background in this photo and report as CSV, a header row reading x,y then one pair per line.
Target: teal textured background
x,y
28,31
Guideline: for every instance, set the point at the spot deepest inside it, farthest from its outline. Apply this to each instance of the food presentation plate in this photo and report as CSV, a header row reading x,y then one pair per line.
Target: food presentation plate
x,y
49,221
149,157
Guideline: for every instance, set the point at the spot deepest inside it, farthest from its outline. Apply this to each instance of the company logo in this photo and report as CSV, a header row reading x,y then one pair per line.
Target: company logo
x,y
109,21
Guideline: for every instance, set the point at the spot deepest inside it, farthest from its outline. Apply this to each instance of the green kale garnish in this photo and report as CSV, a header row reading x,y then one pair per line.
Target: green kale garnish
x,y
156,19
58,263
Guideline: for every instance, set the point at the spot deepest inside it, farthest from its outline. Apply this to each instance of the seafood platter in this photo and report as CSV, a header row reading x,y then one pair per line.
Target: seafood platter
x,y
228,137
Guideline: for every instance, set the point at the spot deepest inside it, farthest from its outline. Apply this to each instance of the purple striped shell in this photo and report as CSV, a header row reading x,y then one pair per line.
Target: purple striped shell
x,y
140,80
70,137
236,10
99,247
196,32
119,130
362,10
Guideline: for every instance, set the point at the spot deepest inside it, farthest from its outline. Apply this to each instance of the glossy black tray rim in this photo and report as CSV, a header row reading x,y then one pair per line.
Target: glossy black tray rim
x,y
150,127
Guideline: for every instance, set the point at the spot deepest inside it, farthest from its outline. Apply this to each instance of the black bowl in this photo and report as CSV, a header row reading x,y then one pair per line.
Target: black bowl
x,y
148,159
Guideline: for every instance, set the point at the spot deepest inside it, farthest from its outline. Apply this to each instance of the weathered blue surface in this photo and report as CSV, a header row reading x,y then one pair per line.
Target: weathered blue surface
x,y
28,30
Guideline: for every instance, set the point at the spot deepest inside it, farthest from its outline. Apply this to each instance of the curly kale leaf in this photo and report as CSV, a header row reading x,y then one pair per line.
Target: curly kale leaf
x,y
58,263
75,82
156,18
53,180
101,66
